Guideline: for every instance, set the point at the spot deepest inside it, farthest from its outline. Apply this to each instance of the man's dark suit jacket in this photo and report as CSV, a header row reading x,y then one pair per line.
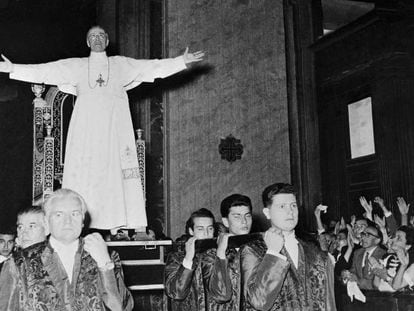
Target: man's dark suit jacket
x,y
365,276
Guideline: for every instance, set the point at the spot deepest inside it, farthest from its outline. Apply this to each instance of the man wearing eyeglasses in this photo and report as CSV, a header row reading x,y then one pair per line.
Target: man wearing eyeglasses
x,y
361,271
101,162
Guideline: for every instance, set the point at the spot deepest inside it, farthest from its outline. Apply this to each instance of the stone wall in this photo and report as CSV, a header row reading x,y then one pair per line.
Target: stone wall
x,y
240,89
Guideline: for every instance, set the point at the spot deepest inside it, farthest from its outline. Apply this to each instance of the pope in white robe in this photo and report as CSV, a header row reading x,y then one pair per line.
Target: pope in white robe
x,y
101,161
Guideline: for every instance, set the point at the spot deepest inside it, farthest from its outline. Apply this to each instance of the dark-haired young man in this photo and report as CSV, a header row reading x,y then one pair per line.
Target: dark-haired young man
x,y
281,272
30,230
7,236
31,226
184,276
236,213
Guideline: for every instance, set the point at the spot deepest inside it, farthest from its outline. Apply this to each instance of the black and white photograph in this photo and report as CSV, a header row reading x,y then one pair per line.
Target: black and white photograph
x,y
204,155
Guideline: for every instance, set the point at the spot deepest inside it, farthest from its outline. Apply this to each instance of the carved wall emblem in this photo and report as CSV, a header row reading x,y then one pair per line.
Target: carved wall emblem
x,y
230,148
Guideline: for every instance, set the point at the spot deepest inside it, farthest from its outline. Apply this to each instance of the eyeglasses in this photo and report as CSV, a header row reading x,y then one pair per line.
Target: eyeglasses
x,y
93,36
364,233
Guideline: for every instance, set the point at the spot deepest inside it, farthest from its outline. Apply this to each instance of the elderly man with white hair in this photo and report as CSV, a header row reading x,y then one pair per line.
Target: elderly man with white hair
x,y
65,272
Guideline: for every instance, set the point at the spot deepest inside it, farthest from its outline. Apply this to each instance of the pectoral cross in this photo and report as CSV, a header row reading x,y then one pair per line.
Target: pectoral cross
x,y
100,81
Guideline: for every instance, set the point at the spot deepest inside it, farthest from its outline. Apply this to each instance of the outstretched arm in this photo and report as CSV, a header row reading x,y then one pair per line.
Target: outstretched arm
x,y
136,71
367,207
192,57
404,208
320,208
6,65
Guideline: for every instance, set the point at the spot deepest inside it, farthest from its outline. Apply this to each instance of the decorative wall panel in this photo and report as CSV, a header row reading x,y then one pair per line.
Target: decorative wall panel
x,y
240,88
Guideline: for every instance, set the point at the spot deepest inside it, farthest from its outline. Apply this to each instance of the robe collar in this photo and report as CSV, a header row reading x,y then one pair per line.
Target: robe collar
x,y
98,56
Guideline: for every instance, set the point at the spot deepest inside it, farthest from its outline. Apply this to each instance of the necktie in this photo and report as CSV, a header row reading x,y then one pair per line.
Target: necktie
x,y
365,269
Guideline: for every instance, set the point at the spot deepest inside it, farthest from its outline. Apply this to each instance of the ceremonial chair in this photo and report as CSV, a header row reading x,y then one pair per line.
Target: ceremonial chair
x,y
51,117
143,261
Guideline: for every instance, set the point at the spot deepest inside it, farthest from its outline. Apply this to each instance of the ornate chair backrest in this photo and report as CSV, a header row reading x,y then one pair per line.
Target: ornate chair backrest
x,y
51,117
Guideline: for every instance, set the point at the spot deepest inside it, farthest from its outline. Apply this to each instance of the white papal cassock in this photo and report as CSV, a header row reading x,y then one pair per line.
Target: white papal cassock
x,y
101,160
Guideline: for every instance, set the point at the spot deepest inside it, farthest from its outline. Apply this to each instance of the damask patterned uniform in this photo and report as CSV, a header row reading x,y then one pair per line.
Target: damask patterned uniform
x,y
35,279
101,161
272,283
187,287
229,283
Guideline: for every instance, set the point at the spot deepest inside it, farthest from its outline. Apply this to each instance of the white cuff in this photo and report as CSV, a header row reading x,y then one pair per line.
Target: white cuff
x,y
188,264
408,279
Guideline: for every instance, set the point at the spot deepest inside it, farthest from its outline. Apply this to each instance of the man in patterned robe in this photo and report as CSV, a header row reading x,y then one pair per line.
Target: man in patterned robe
x,y
31,226
185,271
101,160
281,272
66,272
236,213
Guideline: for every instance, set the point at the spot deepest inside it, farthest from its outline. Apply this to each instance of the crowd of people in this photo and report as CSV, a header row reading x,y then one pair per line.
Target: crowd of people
x,y
276,270
47,263
271,270
371,252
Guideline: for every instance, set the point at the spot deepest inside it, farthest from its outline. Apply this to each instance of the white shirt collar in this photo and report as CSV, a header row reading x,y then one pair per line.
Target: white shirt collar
x,y
60,247
371,251
66,253
290,237
3,258
98,56
291,246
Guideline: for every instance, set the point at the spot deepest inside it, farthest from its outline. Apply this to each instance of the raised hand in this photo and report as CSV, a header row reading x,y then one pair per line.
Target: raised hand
x,y
320,208
403,257
379,221
380,202
347,276
353,220
274,240
403,206
95,245
337,227
193,57
222,242
6,65
190,248
351,237
412,221
367,206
